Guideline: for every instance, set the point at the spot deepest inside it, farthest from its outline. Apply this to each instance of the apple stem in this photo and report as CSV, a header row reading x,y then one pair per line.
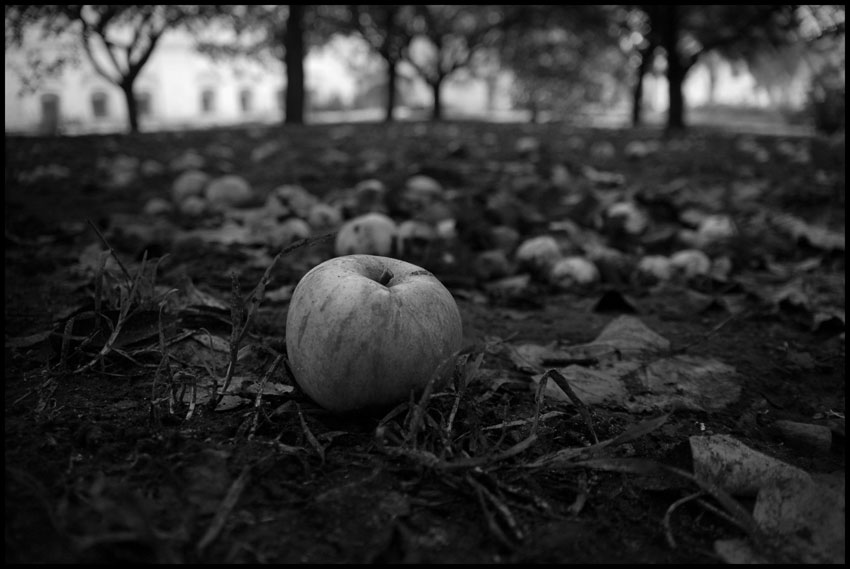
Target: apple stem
x,y
386,276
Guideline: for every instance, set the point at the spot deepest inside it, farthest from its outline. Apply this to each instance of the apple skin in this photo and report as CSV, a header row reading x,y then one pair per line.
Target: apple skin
x,y
354,343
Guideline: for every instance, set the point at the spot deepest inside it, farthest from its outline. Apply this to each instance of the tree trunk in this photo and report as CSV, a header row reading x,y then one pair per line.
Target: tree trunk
x,y
676,70
492,83
132,106
392,76
294,60
646,56
711,65
437,113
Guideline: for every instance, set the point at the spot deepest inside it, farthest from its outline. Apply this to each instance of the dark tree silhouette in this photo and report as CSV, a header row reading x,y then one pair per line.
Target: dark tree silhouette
x,y
687,33
386,28
284,32
456,34
561,56
294,53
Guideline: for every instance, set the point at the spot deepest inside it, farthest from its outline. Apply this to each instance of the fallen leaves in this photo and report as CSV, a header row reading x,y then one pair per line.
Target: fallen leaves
x,y
799,517
629,366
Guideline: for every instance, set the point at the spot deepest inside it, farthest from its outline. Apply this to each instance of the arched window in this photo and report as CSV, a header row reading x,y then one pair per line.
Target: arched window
x,y
100,104
144,104
246,100
50,113
207,101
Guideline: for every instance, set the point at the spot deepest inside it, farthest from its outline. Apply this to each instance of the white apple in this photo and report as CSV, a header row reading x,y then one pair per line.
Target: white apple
x,y
527,146
573,272
189,183
324,216
229,191
158,207
492,264
419,192
538,253
414,237
626,217
654,268
296,199
277,234
193,206
364,331
369,234
690,263
715,228
505,238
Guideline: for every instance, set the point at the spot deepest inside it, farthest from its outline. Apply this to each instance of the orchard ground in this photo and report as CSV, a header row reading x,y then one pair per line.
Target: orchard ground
x,y
102,467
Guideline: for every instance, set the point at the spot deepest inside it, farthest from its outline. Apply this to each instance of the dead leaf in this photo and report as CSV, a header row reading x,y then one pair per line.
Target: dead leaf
x,y
680,382
212,342
803,520
282,294
624,337
23,342
738,469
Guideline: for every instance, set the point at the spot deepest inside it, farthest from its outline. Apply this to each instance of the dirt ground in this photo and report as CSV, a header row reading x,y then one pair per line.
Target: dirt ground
x,y
101,467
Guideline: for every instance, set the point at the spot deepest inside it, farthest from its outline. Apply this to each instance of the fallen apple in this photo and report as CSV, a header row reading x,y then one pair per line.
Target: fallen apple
x,y
690,263
369,234
574,272
189,183
364,331
229,191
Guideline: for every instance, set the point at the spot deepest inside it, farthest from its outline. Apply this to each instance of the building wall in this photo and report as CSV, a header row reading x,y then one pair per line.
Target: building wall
x,y
174,78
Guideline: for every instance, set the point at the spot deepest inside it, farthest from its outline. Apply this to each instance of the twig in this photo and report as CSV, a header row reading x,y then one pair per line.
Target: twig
x,y
111,250
126,302
163,367
565,387
224,509
463,381
259,398
311,438
538,401
237,331
505,513
668,532
709,334
238,313
520,422
66,340
419,408
98,287
193,401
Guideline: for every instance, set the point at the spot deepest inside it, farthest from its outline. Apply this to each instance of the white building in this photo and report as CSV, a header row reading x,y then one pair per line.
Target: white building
x,y
178,87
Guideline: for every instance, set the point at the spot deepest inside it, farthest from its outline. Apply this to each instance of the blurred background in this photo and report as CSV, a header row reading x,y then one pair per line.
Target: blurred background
x,y
105,68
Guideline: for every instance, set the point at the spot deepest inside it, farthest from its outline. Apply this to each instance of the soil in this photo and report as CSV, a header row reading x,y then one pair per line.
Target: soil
x,y
100,469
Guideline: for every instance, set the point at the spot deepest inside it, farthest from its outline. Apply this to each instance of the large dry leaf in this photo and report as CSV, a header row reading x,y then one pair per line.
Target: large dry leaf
x,y
738,469
630,337
801,516
679,382
624,338
613,370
